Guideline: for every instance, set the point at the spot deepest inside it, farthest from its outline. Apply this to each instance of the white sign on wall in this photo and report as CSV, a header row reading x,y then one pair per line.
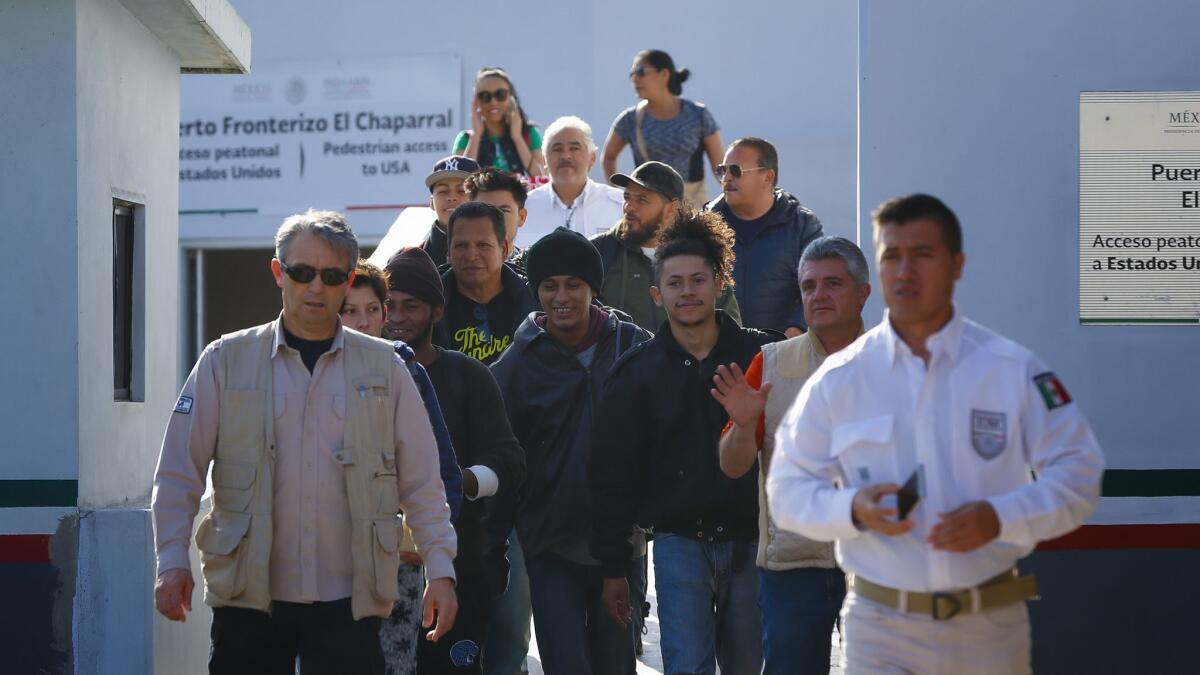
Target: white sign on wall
x,y
1139,207
328,134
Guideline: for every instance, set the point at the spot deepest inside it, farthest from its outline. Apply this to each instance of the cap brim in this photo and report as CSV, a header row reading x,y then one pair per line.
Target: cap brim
x,y
433,178
623,180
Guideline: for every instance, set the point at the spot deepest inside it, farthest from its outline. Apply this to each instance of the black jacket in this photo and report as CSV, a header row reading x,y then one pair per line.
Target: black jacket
x,y
654,458
483,332
766,266
435,245
474,413
551,401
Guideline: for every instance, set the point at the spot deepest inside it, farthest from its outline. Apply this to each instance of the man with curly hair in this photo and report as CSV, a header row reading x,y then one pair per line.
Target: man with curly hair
x,y
656,463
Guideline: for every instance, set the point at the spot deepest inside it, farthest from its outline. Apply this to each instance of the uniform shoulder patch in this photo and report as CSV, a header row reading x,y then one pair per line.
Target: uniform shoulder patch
x,y
184,405
1054,394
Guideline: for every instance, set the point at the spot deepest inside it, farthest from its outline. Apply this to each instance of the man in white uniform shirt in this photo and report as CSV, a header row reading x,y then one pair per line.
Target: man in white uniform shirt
x,y
932,392
570,199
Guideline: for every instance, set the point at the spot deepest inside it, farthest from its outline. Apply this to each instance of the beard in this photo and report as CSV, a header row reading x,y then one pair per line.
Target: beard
x,y
638,235
421,338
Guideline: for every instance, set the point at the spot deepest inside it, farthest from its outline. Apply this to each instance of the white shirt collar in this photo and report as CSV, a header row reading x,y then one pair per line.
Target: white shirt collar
x,y
579,201
947,340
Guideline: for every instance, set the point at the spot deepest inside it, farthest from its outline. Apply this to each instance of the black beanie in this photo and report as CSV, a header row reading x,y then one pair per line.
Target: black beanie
x,y
564,252
411,270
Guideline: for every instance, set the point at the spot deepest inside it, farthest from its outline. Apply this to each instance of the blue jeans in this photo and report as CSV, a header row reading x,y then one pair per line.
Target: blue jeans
x,y
708,606
508,630
799,609
575,634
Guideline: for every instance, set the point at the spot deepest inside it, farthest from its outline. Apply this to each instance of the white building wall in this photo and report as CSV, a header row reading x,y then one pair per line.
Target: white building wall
x,y
39,276
128,98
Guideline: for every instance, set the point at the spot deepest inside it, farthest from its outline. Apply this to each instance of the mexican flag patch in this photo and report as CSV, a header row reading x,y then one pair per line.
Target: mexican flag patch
x,y
1052,390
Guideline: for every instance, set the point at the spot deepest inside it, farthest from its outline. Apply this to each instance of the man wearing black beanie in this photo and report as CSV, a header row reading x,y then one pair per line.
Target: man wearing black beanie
x,y
492,463
551,378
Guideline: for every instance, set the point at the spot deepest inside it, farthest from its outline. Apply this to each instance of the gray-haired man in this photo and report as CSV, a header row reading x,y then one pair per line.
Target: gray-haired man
x,y
317,437
570,199
802,588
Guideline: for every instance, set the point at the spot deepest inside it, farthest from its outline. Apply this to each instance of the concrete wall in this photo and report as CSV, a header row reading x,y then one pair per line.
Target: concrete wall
x,y
37,160
128,98
784,71
978,103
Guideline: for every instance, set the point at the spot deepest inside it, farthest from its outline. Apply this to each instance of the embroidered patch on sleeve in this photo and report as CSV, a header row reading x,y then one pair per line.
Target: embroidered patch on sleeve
x,y
1054,394
184,405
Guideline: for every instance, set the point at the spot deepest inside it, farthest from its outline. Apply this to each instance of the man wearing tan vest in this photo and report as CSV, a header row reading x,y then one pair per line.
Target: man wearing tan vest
x,y
317,438
802,587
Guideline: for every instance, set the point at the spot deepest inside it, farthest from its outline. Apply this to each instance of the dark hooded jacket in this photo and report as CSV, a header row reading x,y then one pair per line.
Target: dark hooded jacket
x,y
552,400
766,264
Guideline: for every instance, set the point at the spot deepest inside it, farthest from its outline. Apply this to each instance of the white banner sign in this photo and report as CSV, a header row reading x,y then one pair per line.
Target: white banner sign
x,y
1139,207
326,134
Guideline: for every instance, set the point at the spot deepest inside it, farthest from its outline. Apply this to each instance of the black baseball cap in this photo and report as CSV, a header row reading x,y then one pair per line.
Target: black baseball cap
x,y
454,166
655,176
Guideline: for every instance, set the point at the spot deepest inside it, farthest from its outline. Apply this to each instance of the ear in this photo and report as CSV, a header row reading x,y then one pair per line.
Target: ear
x,y
522,214
277,271
656,296
437,313
960,258
669,212
864,292
592,160
505,248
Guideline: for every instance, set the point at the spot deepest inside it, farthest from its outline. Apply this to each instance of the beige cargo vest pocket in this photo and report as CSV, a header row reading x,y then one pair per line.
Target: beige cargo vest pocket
x,y
222,557
387,558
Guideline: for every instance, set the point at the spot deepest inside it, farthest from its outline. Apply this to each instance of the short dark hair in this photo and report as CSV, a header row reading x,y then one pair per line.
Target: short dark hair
x,y
493,180
702,233
478,210
903,210
367,273
768,157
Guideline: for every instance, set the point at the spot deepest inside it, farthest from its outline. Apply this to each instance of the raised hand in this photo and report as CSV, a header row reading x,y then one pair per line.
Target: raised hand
x,y
742,402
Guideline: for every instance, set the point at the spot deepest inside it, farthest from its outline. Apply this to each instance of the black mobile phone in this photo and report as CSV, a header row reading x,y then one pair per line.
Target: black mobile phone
x,y
911,492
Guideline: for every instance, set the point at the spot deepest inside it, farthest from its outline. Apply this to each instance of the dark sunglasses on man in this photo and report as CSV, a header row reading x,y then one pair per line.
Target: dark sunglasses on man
x,y
735,170
303,274
501,95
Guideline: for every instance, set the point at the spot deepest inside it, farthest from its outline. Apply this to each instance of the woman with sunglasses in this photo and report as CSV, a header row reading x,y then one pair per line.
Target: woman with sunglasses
x,y
501,135
664,126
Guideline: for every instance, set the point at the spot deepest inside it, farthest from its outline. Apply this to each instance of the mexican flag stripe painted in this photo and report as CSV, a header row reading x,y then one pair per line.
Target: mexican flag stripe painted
x,y
1052,390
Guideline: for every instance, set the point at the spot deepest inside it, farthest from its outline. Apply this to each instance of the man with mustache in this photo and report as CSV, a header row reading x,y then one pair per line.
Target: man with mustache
x,y
654,463
493,465
653,199
571,199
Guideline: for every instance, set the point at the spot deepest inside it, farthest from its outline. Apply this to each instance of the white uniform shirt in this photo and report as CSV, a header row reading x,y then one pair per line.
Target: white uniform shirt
x,y
595,211
980,417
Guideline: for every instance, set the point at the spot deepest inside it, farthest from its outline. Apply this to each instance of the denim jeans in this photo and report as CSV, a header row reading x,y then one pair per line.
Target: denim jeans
x,y
508,630
708,606
575,634
799,609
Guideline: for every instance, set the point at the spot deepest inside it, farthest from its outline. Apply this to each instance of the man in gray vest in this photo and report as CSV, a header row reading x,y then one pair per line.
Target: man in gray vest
x,y
802,587
317,438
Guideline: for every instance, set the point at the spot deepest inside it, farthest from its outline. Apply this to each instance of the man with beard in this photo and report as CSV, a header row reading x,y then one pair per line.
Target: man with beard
x,y
493,464
654,463
446,191
551,379
571,199
653,199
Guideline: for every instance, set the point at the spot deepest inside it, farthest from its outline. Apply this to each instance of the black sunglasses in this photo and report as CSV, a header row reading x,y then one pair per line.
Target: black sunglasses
x,y
736,170
501,95
640,71
303,274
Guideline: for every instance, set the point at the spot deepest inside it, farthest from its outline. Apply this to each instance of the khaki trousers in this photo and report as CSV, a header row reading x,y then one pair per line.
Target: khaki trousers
x,y
879,639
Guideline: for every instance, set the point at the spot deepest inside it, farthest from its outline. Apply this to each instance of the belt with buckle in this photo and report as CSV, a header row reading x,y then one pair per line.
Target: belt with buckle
x,y
1000,591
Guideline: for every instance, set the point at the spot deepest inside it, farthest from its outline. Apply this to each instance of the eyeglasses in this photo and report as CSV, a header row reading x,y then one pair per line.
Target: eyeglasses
x,y
501,95
303,274
640,71
736,170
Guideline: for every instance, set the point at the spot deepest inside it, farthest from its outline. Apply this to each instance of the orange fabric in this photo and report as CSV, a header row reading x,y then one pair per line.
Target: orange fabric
x,y
754,376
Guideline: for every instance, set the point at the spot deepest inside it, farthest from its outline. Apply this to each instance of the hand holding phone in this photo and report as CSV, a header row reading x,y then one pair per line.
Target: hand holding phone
x,y
910,493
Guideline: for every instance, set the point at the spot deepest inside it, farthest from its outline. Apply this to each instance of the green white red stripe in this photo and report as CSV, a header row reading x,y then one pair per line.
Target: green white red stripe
x,y
1052,390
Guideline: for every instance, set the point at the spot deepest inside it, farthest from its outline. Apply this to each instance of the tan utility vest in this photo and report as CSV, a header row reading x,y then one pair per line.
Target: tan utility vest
x,y
787,366
235,537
